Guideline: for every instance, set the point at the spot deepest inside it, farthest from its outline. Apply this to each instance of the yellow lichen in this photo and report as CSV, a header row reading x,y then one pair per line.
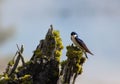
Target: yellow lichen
x,y
75,56
26,79
38,53
59,45
73,52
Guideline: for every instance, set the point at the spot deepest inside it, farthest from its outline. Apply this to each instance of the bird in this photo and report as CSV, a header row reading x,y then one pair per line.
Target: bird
x,y
80,44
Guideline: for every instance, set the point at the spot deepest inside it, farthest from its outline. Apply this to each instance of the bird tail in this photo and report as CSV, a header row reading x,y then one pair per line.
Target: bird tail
x,y
86,55
90,53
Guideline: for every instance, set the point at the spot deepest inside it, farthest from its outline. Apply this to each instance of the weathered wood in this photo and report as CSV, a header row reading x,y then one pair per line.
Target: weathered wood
x,y
45,67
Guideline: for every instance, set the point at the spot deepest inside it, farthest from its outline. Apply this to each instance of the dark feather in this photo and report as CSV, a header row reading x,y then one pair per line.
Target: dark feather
x,y
82,44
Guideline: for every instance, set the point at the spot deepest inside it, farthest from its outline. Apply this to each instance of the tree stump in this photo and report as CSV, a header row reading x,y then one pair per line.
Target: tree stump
x,y
45,66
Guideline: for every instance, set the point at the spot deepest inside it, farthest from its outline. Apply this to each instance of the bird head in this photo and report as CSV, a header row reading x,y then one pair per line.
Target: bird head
x,y
74,34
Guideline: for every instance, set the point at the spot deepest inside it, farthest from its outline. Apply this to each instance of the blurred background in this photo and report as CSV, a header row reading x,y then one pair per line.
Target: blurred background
x,y
96,21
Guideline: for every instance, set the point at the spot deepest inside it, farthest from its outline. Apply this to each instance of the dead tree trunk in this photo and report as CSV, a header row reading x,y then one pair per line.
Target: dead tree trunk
x,y
45,67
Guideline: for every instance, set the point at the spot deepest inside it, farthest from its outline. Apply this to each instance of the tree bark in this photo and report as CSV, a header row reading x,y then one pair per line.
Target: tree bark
x,y
45,67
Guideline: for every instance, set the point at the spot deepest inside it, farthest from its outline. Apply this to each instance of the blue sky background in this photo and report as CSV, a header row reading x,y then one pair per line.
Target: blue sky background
x,y
96,21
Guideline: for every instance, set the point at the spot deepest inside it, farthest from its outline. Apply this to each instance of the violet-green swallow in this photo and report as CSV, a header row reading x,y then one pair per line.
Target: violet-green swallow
x,y
80,44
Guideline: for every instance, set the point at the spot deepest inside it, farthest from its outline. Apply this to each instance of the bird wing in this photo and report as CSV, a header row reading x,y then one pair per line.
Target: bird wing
x,y
82,44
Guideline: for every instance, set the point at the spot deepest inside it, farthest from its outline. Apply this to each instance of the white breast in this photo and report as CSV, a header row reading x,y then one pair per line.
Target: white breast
x,y
74,41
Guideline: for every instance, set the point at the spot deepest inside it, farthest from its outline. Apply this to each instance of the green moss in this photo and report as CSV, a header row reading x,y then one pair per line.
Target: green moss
x,y
20,68
11,63
82,60
57,59
4,79
78,68
80,71
56,33
73,52
75,57
26,79
38,53
58,53
59,45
